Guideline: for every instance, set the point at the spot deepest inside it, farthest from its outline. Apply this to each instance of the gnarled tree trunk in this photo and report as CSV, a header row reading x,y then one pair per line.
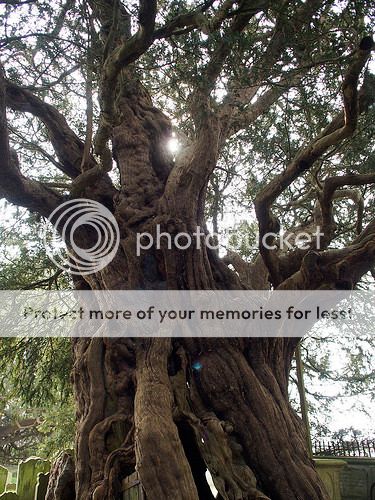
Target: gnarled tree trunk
x,y
174,408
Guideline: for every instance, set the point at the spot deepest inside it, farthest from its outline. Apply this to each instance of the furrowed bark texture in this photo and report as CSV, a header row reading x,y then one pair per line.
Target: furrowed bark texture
x,y
176,410
173,409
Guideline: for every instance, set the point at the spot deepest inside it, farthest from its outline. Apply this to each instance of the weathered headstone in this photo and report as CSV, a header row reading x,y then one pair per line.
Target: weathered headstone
x,y
12,478
358,479
9,495
329,471
41,486
3,478
28,476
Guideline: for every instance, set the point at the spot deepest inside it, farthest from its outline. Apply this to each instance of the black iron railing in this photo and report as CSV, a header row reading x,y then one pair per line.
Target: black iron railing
x,y
341,448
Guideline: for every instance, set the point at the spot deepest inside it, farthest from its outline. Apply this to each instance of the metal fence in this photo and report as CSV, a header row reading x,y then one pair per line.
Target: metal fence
x,y
341,448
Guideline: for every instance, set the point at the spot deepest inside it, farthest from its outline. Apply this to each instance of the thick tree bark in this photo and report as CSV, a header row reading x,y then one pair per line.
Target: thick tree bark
x,y
61,483
173,409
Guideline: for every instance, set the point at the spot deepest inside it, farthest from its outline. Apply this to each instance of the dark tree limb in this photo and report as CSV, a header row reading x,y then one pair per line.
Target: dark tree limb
x,y
339,129
253,275
337,268
68,147
15,187
185,22
234,118
330,192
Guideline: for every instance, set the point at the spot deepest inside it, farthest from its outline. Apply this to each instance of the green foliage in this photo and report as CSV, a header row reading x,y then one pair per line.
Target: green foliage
x,y
34,373
243,239
57,428
339,380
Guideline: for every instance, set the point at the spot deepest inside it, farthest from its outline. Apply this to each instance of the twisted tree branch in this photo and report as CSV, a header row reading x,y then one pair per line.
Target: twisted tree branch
x,y
340,128
15,187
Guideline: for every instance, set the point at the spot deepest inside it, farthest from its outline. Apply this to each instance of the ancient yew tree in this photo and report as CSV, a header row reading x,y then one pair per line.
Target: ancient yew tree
x,y
276,93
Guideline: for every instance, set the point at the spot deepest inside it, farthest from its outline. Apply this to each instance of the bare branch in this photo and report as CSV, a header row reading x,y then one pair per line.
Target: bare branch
x,y
185,22
356,196
13,185
128,52
336,268
333,183
333,134
46,282
67,145
234,118
330,192
33,146
58,80
237,98
246,10
195,19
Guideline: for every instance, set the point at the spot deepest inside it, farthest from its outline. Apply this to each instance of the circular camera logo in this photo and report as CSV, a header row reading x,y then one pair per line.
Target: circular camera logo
x,y
66,222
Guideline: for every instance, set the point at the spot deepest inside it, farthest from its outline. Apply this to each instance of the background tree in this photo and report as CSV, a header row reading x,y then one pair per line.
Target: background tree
x,y
221,71
36,405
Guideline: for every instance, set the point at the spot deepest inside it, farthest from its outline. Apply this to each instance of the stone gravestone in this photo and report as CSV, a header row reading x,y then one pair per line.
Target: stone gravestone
x,y
358,479
3,478
28,476
329,471
41,486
